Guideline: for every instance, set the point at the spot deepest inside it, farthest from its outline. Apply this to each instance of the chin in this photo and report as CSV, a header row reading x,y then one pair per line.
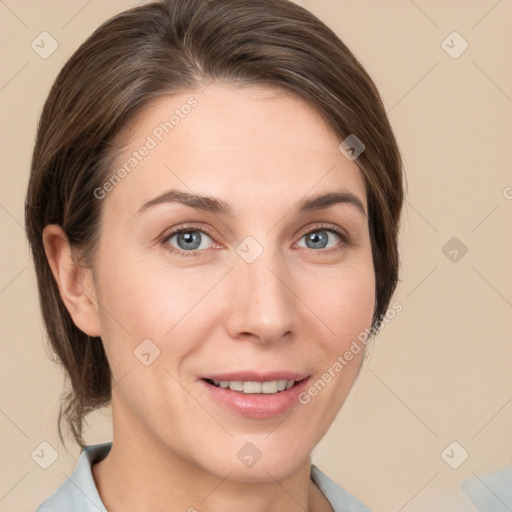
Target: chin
x,y
247,463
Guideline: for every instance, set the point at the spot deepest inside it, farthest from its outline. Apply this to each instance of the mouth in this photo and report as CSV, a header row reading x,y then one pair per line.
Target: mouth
x,y
253,395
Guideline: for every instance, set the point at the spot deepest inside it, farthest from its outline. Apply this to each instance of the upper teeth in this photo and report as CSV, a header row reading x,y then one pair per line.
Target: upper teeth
x,y
256,387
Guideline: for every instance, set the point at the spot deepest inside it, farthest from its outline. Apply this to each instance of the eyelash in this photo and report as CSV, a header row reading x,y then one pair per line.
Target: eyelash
x,y
346,241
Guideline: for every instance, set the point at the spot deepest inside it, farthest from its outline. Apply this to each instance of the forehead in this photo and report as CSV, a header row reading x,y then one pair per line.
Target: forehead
x,y
247,144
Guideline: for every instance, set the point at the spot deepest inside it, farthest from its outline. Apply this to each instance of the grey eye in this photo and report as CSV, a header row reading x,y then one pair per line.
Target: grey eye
x,y
189,240
318,238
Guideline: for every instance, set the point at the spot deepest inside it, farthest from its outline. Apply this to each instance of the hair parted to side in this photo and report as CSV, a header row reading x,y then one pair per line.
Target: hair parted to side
x,y
160,49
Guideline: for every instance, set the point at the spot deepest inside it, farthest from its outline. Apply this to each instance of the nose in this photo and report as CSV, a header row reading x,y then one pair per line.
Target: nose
x,y
263,305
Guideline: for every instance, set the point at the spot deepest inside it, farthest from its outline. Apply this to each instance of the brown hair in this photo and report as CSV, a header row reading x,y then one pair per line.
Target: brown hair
x,y
172,46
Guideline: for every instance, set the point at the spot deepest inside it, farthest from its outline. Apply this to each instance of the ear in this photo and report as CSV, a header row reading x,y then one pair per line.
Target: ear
x,y
75,282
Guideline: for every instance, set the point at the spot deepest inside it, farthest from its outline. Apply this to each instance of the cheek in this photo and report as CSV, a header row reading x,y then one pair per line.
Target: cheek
x,y
148,298
345,302
346,309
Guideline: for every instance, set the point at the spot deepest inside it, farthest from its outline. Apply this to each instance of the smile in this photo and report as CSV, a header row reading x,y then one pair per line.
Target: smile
x,y
248,387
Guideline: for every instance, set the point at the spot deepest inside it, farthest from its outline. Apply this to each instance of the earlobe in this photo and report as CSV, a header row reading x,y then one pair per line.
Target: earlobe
x,y
75,282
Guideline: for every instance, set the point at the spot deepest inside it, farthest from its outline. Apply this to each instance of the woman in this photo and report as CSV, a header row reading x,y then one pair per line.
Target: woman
x,y
183,279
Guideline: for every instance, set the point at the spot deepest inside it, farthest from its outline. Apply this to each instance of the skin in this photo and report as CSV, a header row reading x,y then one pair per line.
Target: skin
x,y
174,447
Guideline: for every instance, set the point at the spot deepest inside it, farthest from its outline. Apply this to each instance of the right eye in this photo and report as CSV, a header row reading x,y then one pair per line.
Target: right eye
x,y
189,240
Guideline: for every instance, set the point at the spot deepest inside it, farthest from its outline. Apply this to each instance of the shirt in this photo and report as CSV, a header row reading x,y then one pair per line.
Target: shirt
x,y
80,494
492,492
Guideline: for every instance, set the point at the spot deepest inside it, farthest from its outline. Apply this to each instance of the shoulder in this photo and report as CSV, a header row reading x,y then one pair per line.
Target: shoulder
x,y
340,500
79,493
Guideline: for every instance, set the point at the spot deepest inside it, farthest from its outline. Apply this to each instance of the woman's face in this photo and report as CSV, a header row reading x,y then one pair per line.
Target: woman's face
x,y
264,292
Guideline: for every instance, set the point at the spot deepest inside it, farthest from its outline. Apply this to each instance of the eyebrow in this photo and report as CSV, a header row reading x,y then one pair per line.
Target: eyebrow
x,y
219,206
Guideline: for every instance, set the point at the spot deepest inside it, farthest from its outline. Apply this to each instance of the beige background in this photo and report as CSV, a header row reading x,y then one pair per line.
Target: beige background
x,y
441,370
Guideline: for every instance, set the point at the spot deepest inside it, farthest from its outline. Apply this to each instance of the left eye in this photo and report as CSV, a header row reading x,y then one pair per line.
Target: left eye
x,y
319,237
